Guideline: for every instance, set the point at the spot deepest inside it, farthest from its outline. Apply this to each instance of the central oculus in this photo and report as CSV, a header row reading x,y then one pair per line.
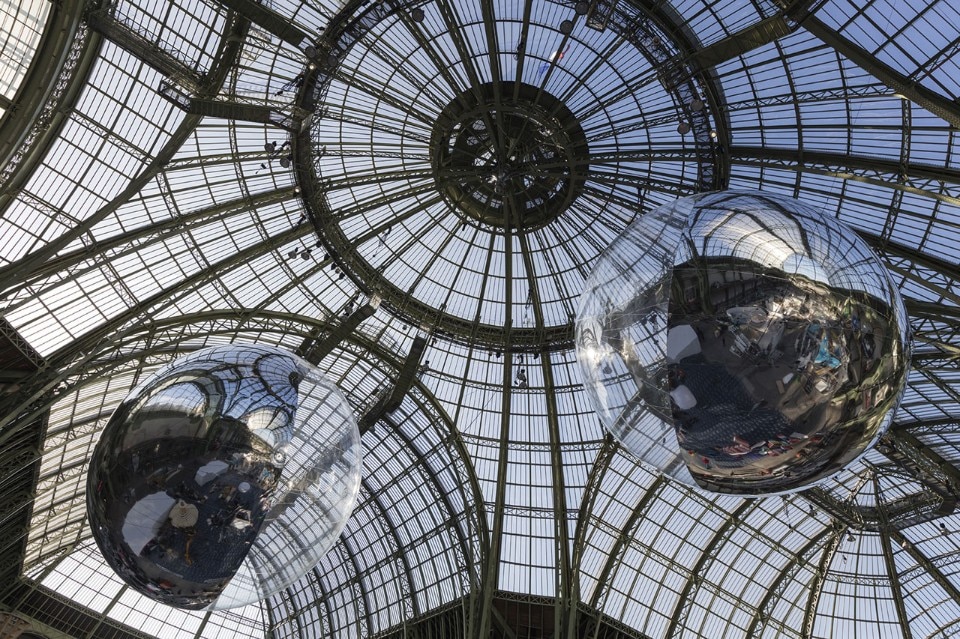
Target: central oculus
x,y
509,155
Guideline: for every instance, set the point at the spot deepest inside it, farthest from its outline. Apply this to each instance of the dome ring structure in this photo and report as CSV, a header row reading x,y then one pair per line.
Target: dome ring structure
x,y
492,152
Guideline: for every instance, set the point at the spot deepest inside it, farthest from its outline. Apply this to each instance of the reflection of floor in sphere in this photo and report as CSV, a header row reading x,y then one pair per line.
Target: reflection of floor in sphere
x,y
182,564
746,423
724,409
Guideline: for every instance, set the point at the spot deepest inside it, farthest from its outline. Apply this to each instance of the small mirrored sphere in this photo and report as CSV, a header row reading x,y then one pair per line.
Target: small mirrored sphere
x,y
224,477
742,342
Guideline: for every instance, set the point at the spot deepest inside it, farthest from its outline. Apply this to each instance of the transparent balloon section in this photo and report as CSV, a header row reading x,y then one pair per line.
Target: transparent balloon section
x,y
224,477
742,342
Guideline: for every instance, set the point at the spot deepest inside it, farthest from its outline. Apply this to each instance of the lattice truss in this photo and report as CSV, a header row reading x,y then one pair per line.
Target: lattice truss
x,y
176,174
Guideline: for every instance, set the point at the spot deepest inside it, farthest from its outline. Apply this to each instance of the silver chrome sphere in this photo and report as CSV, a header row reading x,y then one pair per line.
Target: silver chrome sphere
x,y
224,477
743,343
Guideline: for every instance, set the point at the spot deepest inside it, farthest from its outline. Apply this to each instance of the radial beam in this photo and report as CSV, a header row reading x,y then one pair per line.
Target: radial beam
x,y
736,44
289,118
314,349
891,565
491,572
624,538
844,165
937,104
103,22
566,608
698,573
789,571
816,586
269,20
927,564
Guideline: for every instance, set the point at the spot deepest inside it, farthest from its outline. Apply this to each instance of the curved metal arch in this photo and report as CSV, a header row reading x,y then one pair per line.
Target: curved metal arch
x,y
76,357
566,610
491,566
917,555
697,574
60,65
358,578
454,438
620,545
324,619
286,599
397,548
591,489
891,565
768,591
224,61
82,363
310,325
107,334
789,571
473,575
76,263
288,321
322,599
361,603
816,586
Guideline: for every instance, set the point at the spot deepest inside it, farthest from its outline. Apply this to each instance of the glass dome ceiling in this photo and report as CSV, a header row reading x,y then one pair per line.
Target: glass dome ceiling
x,y
411,194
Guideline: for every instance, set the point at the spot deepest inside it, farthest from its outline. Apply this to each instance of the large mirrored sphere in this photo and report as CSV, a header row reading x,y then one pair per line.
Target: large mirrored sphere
x,y
224,477
742,343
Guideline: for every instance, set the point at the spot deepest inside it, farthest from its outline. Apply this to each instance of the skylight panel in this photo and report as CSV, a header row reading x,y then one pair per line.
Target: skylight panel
x,y
21,29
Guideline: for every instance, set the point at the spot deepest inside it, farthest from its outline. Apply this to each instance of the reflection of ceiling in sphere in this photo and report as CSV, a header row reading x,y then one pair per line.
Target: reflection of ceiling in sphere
x,y
155,198
444,177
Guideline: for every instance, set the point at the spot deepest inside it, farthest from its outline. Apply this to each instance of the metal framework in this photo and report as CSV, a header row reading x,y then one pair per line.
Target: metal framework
x,y
410,195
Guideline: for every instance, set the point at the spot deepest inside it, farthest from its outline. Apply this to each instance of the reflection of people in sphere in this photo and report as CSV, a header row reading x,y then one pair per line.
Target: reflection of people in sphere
x,y
184,516
190,465
774,337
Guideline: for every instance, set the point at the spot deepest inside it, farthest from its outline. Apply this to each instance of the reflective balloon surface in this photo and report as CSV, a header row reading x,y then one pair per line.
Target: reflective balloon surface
x,y
742,342
224,477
